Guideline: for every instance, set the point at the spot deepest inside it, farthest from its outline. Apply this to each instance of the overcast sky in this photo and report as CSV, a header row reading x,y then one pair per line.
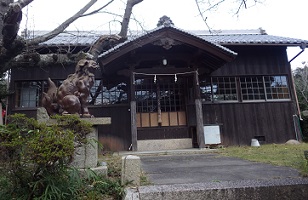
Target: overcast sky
x,y
278,17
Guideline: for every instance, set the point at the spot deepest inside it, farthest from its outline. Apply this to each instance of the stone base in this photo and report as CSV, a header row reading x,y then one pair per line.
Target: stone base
x,y
166,144
101,170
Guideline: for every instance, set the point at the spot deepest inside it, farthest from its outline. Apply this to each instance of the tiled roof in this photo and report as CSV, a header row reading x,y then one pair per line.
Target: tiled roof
x,y
74,38
254,39
235,37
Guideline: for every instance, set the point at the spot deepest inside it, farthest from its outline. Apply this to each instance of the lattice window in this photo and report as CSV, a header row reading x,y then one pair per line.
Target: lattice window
x,y
218,89
252,88
28,94
276,87
167,91
114,92
96,94
224,89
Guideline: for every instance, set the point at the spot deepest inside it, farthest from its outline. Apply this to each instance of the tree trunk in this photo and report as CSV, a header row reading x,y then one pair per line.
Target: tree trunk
x,y
4,6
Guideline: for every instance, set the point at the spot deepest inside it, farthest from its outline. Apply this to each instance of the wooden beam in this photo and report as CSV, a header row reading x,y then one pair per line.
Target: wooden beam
x,y
199,113
133,112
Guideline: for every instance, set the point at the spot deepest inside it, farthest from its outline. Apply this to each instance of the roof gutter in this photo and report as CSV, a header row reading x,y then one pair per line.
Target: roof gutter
x,y
303,47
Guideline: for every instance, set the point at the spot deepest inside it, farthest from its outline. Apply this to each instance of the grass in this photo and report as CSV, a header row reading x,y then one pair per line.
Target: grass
x,y
114,164
275,154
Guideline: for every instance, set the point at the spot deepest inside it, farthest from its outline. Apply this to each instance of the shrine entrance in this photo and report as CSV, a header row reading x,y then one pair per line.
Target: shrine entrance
x,y
163,68
161,110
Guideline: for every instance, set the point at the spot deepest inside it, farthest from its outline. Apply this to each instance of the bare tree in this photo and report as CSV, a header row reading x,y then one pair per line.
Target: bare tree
x,y
301,85
206,6
13,45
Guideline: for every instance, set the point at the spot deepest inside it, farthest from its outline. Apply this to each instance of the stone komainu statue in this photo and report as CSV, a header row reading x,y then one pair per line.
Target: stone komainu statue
x,y
71,97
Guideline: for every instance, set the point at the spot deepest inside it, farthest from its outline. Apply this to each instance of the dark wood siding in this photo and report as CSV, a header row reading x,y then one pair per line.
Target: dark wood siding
x,y
243,121
163,133
256,60
116,136
239,122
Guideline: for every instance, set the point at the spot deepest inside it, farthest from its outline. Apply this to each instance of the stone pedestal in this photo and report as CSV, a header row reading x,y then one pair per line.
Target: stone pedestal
x,y
86,155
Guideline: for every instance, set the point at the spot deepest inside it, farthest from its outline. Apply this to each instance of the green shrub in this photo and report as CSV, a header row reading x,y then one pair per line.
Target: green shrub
x,y
35,162
304,127
35,158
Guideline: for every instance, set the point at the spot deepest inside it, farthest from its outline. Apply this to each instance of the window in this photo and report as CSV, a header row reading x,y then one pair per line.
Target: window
x,y
206,90
96,97
224,89
28,94
252,88
218,89
145,94
114,93
264,88
276,87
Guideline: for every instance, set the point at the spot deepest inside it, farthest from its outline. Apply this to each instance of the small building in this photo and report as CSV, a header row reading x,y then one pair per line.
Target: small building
x,y
174,89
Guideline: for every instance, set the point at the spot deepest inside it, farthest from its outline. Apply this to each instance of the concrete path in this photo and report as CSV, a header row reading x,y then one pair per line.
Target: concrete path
x,y
208,167
199,175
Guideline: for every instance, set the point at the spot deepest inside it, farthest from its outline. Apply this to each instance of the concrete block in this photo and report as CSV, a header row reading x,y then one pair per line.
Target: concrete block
x,y
131,169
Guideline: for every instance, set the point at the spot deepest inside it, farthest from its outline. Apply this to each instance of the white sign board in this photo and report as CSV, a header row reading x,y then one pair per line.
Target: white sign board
x,y
212,134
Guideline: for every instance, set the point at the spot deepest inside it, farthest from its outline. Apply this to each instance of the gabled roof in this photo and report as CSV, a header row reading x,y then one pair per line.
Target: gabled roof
x,y
170,31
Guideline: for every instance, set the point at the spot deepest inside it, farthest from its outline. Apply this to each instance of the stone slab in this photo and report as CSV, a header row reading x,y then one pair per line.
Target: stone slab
x,y
94,121
164,144
279,189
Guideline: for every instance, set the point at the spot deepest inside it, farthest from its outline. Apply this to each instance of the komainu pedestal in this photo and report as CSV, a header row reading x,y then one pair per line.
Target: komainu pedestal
x,y
86,156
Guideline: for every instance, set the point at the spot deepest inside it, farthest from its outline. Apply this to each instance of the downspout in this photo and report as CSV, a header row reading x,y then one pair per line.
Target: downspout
x,y
302,46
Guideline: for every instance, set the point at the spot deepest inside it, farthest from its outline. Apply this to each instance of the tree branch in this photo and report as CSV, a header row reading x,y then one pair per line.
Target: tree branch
x,y
43,60
24,3
11,22
97,10
128,11
201,14
62,27
106,42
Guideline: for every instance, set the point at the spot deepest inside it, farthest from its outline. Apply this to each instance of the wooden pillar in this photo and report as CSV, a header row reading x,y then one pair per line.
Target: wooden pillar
x,y
133,112
199,112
